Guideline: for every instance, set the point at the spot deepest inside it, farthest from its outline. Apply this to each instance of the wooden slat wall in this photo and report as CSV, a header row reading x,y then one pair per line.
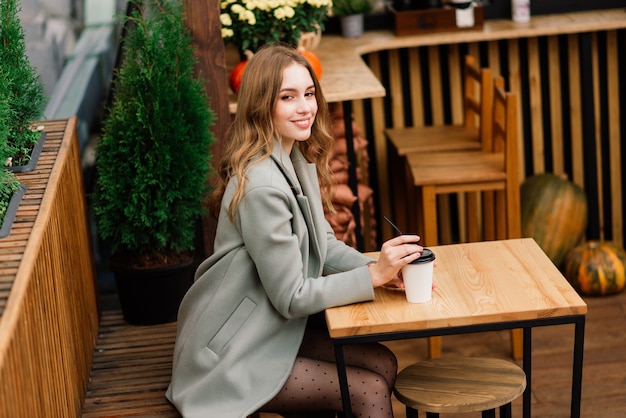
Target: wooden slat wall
x,y
572,109
49,324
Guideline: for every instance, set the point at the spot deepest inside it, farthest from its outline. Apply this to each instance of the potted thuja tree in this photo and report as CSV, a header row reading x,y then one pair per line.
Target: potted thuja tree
x,y
9,184
153,163
21,103
24,93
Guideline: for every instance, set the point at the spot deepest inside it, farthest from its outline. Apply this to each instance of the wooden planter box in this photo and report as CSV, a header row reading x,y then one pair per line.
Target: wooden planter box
x,y
413,22
48,304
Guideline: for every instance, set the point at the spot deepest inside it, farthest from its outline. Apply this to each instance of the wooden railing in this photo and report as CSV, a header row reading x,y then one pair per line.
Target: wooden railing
x,y
49,315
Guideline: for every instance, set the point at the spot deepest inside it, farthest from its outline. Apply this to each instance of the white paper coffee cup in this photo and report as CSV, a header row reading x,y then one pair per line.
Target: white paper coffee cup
x,y
418,278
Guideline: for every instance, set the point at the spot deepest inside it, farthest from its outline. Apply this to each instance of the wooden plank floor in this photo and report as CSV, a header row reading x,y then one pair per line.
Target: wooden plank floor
x,y
136,355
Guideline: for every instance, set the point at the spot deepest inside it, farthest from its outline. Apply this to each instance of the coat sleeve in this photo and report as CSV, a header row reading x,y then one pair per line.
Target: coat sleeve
x,y
340,256
274,241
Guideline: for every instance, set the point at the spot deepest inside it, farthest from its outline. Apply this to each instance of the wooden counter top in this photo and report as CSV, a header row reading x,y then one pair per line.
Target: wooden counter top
x,y
347,77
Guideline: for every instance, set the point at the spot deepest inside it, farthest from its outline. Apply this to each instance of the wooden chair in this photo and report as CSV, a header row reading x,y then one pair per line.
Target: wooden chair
x,y
493,172
473,134
458,385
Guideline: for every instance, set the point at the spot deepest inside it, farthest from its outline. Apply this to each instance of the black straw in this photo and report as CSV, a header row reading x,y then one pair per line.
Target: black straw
x,y
393,225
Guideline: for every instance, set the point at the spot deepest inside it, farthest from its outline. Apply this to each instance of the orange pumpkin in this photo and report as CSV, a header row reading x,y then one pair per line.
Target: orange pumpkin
x,y
237,74
596,268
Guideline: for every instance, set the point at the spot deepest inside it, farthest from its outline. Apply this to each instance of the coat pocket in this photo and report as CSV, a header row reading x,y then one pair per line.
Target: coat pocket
x,y
232,325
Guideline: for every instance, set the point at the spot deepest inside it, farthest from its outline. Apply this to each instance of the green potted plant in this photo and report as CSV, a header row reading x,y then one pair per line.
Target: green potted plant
x,y
25,93
9,184
351,14
21,103
153,163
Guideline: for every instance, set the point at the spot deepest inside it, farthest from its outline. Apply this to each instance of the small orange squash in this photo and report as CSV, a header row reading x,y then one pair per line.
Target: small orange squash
x,y
237,75
554,213
316,65
596,268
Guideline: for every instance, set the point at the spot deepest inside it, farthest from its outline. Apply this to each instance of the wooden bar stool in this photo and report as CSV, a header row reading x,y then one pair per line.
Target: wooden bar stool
x,y
492,173
494,169
470,135
473,134
460,384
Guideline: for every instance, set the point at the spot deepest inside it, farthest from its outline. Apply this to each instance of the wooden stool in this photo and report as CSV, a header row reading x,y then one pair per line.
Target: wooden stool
x,y
460,384
474,133
492,173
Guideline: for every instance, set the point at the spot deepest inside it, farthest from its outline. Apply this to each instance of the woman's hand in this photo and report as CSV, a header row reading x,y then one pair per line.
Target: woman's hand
x,y
394,254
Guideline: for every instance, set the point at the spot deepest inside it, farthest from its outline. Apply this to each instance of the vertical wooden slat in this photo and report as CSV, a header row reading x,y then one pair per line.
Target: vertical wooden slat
x,y
556,108
396,91
494,58
457,106
456,85
474,50
575,111
598,126
415,73
536,111
436,95
614,140
515,86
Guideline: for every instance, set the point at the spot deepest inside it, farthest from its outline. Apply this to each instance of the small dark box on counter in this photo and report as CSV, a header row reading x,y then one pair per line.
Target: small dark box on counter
x,y
444,19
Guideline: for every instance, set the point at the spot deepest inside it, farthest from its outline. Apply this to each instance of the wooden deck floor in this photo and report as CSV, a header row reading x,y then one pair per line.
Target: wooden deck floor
x,y
604,372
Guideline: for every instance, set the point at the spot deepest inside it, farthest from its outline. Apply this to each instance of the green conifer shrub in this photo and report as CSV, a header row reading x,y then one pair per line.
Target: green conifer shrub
x,y
153,158
25,92
8,181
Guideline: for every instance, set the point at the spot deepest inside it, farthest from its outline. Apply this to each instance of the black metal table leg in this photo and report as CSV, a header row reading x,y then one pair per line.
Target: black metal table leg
x,y
527,370
343,380
577,375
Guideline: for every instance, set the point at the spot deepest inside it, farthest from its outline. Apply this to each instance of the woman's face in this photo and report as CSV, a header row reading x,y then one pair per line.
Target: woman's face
x,y
296,107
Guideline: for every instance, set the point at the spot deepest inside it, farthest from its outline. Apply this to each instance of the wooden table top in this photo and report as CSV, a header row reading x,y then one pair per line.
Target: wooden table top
x,y
477,283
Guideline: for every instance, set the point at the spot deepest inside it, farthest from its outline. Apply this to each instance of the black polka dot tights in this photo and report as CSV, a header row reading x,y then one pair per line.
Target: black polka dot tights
x,y
314,386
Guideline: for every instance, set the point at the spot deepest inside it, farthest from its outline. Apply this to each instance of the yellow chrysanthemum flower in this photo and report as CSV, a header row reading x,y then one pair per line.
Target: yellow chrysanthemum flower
x,y
225,19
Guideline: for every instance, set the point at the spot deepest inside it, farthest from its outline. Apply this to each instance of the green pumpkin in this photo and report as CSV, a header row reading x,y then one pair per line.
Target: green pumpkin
x,y
596,268
554,213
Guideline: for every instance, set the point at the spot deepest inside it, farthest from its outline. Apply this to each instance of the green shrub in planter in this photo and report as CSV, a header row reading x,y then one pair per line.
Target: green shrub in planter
x,y
153,158
8,181
25,92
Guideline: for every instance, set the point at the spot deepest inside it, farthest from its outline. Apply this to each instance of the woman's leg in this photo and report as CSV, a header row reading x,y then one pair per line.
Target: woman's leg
x,y
314,385
370,356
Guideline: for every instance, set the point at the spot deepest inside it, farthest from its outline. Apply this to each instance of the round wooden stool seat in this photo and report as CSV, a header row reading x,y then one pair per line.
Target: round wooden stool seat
x,y
459,384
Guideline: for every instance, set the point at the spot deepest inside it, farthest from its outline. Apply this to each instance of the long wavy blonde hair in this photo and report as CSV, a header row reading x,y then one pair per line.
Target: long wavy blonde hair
x,y
251,136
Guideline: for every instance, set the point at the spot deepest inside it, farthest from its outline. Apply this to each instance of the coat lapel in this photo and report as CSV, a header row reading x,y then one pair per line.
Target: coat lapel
x,y
307,193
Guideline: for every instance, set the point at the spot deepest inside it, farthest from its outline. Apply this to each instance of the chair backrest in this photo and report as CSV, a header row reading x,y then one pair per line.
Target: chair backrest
x,y
505,139
478,99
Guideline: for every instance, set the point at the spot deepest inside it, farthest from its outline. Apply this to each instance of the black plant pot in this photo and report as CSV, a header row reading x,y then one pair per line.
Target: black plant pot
x,y
152,296
11,212
34,157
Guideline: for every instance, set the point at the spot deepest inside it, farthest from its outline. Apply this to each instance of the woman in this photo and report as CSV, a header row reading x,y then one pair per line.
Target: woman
x,y
247,339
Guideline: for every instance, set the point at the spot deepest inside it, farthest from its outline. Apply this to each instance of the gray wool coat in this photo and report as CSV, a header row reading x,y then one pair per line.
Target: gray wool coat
x,y
241,324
